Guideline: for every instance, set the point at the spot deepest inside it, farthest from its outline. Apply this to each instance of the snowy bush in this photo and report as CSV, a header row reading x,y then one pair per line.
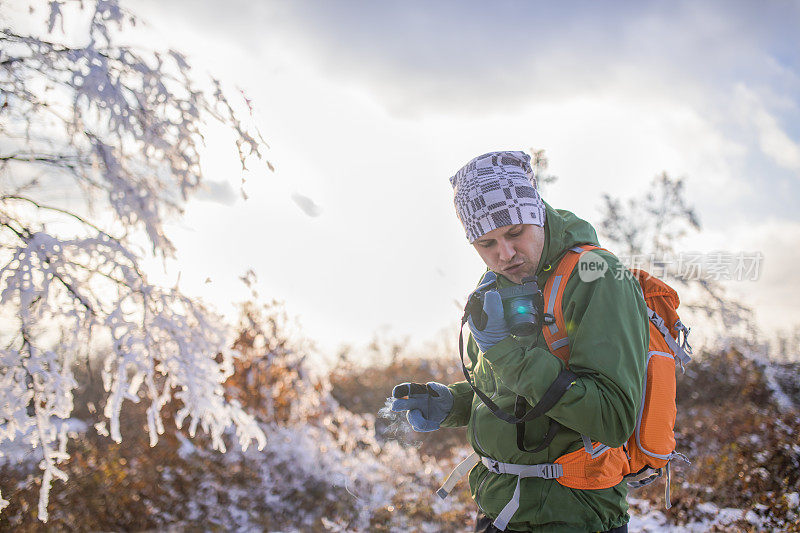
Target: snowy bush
x,y
99,146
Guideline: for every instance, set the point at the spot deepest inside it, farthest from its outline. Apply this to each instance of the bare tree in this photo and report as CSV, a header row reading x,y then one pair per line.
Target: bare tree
x,y
99,146
653,223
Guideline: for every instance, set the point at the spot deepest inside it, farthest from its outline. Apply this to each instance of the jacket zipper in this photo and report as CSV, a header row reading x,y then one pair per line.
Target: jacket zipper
x,y
475,433
478,491
478,444
474,412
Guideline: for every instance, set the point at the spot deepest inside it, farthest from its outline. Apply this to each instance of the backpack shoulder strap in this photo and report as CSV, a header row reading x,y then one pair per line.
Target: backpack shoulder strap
x,y
555,333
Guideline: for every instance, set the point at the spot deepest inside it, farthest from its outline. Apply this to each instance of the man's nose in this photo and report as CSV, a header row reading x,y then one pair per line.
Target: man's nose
x,y
506,251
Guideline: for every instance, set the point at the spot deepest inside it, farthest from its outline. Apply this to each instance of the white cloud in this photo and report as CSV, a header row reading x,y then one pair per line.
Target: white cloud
x,y
369,111
774,142
774,293
476,58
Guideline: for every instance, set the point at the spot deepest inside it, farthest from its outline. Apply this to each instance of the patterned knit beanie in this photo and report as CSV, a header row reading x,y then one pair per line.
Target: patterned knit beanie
x,y
495,190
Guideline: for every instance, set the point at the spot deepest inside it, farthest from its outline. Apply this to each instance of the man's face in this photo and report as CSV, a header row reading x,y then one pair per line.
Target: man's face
x,y
513,251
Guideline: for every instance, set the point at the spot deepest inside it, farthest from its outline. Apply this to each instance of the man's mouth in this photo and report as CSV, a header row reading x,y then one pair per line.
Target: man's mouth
x,y
514,269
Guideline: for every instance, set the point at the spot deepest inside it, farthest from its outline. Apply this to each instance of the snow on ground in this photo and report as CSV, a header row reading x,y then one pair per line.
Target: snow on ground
x,y
647,520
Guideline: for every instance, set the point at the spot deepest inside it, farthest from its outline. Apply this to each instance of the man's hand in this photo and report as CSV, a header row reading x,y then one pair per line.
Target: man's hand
x,y
496,328
427,405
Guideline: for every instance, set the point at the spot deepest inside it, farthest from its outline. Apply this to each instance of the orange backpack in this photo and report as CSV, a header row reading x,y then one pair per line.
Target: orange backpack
x,y
652,445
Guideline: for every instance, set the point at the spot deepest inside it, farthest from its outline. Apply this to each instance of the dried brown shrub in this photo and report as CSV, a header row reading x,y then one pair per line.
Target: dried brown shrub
x,y
745,450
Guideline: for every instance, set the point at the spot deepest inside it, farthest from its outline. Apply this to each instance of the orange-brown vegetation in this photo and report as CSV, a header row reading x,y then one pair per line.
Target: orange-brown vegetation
x,y
331,465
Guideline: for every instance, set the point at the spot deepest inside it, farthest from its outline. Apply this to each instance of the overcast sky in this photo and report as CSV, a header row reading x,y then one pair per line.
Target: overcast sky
x,y
370,106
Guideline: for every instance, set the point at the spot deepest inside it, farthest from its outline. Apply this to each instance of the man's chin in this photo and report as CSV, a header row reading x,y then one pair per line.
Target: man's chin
x,y
517,277
514,277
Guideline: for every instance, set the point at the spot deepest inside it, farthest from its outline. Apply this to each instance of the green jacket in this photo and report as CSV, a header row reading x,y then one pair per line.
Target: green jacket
x,y
608,331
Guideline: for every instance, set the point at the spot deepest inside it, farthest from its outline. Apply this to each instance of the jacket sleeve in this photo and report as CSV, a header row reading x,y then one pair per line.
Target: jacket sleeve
x,y
462,405
462,394
606,323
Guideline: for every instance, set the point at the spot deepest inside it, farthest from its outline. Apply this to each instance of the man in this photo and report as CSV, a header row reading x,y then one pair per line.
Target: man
x,y
518,235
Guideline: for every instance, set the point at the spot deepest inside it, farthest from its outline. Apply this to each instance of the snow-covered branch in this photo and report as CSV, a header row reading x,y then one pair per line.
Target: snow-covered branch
x,y
121,130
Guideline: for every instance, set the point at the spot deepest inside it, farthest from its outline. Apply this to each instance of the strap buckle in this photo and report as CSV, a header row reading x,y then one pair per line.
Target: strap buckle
x,y
552,471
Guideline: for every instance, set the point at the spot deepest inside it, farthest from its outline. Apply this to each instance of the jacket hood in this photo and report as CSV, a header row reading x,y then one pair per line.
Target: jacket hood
x,y
563,230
